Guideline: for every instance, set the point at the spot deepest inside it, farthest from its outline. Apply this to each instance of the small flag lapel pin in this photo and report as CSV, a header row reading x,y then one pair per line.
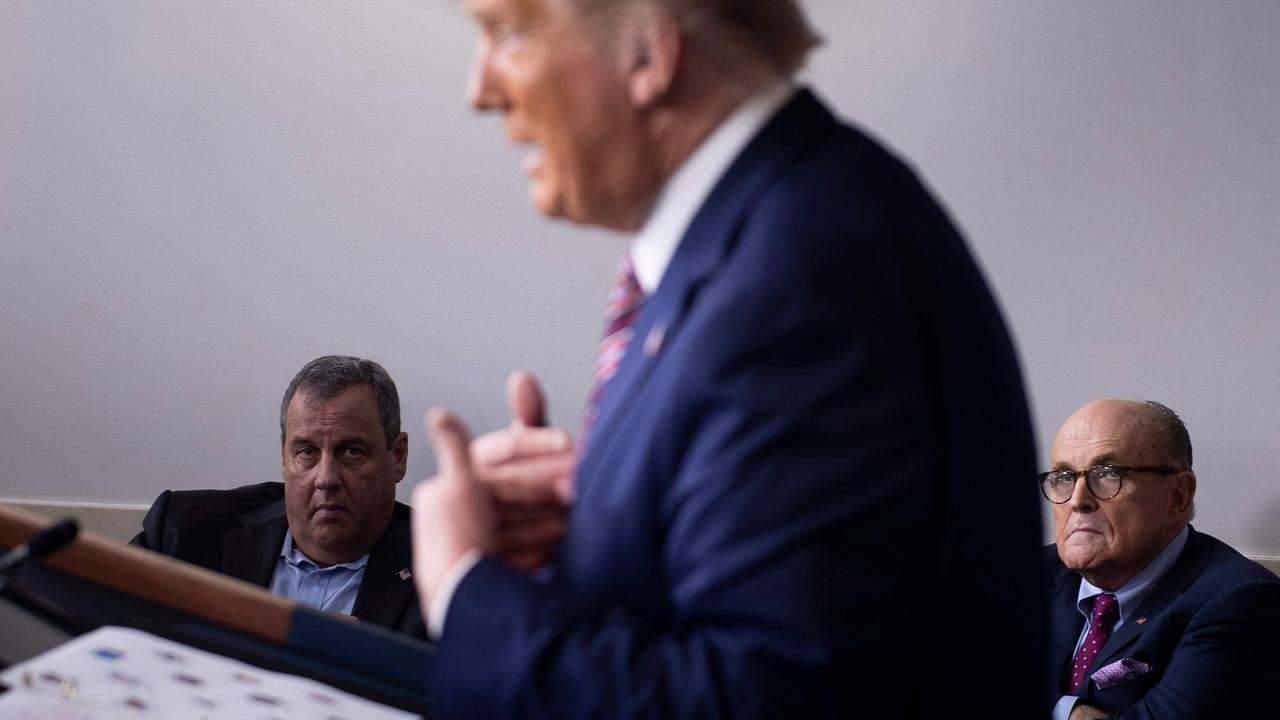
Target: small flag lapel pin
x,y
653,341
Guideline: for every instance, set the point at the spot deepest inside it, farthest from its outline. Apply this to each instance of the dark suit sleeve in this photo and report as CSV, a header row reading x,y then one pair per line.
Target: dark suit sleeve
x,y
153,525
1226,662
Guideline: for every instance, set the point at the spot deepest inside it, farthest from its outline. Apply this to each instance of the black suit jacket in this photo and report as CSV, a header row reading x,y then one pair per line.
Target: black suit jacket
x,y
1210,629
239,533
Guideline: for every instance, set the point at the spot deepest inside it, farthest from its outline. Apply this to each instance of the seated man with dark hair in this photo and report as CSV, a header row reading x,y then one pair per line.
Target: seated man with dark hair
x,y
332,536
1150,619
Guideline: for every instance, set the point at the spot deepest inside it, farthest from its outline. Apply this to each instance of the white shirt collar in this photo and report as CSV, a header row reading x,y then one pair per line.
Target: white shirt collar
x,y
685,191
1132,593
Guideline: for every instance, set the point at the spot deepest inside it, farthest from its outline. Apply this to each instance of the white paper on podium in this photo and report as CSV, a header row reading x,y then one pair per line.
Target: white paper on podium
x,y
116,672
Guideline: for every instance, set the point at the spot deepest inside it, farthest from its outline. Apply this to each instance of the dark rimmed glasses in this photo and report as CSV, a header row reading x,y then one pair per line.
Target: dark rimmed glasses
x,y
1103,481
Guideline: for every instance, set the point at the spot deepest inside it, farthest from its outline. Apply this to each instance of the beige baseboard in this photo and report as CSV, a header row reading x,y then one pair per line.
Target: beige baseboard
x,y
124,521
121,522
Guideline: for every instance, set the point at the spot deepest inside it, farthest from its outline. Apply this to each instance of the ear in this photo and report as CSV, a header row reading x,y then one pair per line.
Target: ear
x,y
651,46
400,451
1184,492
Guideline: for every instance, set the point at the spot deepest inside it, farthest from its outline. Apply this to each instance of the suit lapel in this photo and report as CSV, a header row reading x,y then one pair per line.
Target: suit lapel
x,y
1184,572
251,551
387,584
1067,623
801,123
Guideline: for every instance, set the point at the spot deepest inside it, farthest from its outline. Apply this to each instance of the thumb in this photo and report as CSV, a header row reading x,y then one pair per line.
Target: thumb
x,y
449,439
525,400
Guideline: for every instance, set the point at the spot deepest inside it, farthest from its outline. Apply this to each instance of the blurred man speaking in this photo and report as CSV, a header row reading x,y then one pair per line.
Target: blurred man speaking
x,y
802,486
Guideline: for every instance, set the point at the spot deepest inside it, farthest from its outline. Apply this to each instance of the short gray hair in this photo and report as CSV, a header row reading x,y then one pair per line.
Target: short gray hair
x,y
327,377
1172,432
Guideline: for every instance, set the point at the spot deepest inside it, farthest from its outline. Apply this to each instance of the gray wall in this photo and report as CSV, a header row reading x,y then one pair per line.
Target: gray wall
x,y
198,197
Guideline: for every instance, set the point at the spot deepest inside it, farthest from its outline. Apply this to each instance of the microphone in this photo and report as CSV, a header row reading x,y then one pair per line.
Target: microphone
x,y
40,544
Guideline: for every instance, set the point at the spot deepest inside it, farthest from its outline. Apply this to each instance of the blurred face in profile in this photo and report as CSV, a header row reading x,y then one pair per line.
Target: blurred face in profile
x,y
339,475
1110,541
545,65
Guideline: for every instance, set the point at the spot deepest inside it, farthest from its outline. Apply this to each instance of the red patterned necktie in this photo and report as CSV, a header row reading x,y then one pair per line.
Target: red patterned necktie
x,y
1105,611
624,305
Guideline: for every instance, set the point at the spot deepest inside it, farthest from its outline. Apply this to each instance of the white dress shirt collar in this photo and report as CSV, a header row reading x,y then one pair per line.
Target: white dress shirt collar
x,y
686,191
1132,593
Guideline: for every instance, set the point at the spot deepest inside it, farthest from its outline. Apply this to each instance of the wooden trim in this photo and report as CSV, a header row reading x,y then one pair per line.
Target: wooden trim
x,y
160,579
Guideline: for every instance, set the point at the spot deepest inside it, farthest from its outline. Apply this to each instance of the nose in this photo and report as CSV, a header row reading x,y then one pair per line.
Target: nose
x,y
328,472
1081,499
482,93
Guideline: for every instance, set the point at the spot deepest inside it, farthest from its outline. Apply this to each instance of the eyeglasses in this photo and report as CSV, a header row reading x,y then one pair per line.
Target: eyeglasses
x,y
1103,481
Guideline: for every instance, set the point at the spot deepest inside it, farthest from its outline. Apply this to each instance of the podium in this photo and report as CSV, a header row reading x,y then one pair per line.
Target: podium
x,y
96,581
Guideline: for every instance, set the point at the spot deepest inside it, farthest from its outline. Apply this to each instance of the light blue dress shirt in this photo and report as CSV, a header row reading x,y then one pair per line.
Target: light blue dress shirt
x,y
1129,596
332,588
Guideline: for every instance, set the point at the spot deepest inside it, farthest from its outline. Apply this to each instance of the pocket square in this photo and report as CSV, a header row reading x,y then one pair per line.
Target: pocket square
x,y
1119,671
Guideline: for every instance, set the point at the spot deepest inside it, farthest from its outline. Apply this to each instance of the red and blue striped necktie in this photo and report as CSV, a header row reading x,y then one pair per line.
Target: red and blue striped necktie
x,y
624,305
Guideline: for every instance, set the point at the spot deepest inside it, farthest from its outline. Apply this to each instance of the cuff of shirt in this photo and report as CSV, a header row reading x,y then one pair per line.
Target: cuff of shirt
x,y
439,607
1062,709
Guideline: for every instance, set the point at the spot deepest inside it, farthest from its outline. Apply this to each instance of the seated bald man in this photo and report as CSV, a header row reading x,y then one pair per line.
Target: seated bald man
x,y
332,535
1150,618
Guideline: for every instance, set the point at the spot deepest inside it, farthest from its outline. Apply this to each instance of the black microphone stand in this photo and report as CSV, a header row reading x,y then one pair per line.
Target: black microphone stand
x,y
50,624
41,543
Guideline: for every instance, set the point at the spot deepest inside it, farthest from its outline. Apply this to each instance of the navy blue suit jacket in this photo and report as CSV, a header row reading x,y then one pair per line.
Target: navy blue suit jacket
x,y
239,532
1211,635
808,489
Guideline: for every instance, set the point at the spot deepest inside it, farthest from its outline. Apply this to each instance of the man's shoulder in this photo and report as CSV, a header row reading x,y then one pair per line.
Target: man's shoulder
x,y
834,202
1224,566
833,164
398,529
230,503
183,523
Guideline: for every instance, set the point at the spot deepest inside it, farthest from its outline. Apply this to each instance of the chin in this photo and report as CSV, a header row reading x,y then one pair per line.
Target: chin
x,y
546,200
1081,561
